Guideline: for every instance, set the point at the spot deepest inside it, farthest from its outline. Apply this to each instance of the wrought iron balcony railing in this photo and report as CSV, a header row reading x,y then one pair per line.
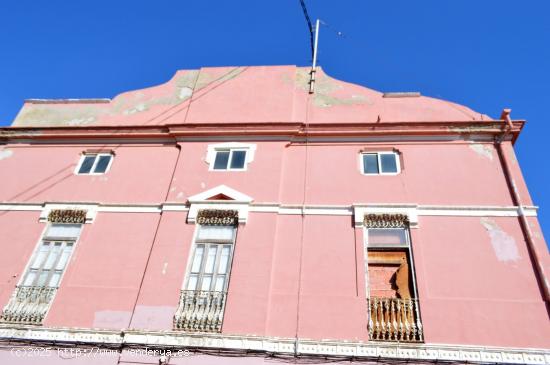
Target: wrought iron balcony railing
x,y
394,319
200,311
28,305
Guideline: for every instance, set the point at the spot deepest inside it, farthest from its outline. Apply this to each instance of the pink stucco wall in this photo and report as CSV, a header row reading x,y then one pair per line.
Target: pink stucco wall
x,y
292,274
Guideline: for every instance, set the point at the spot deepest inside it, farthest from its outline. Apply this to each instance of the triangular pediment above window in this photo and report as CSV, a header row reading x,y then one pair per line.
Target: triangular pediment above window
x,y
220,198
220,193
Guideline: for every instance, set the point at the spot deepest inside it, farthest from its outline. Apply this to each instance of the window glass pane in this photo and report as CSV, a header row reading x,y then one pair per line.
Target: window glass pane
x,y
370,163
237,159
221,160
87,164
29,280
220,281
192,283
210,260
52,257
387,237
41,256
42,278
199,251
216,233
206,280
54,281
224,260
388,161
63,230
64,258
102,164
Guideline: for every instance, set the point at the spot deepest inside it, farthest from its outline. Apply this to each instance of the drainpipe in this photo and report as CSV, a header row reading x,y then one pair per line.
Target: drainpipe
x,y
539,268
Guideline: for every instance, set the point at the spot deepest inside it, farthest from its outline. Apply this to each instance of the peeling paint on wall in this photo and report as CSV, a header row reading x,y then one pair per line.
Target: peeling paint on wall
x,y
5,154
112,319
482,150
503,244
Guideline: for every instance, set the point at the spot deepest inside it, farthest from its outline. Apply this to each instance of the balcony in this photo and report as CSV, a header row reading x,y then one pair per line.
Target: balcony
x,y
200,311
394,319
28,305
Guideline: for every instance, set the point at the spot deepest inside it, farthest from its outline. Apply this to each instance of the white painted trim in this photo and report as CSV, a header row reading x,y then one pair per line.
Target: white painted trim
x,y
283,346
379,161
236,196
290,209
213,149
240,202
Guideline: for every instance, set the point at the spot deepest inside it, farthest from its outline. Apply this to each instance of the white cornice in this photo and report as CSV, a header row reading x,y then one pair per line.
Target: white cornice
x,y
273,345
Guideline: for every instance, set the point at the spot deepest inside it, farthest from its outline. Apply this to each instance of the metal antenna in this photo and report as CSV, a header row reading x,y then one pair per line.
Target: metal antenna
x,y
314,64
313,45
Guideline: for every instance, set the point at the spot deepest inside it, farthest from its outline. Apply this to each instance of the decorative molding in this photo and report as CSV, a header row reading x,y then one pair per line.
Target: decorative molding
x,y
219,198
232,195
218,217
290,209
77,216
386,221
382,216
68,213
285,346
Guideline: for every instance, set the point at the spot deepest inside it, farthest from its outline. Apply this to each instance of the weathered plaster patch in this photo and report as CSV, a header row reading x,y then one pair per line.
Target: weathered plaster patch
x,y
206,79
482,150
504,245
164,268
5,154
112,319
80,121
154,317
185,93
138,108
32,115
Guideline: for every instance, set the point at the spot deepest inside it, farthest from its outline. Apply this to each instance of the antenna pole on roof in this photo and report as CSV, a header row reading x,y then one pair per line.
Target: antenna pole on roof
x,y
314,64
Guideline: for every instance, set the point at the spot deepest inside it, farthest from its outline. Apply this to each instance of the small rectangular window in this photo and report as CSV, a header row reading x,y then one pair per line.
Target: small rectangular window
x,y
94,164
230,160
380,163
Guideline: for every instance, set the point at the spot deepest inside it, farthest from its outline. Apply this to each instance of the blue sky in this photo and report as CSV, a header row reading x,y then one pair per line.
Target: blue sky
x,y
485,54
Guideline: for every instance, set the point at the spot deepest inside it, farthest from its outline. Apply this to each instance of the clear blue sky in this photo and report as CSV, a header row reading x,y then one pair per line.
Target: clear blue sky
x,y
485,54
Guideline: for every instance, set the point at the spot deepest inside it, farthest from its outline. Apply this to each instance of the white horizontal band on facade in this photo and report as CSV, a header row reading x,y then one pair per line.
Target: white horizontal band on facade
x,y
284,346
292,209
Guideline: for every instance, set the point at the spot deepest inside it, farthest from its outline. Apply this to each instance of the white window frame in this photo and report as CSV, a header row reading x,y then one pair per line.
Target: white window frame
x,y
378,157
44,237
207,243
230,158
230,147
96,160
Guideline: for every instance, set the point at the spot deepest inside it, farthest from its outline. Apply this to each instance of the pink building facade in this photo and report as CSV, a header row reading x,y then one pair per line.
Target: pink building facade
x,y
233,216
